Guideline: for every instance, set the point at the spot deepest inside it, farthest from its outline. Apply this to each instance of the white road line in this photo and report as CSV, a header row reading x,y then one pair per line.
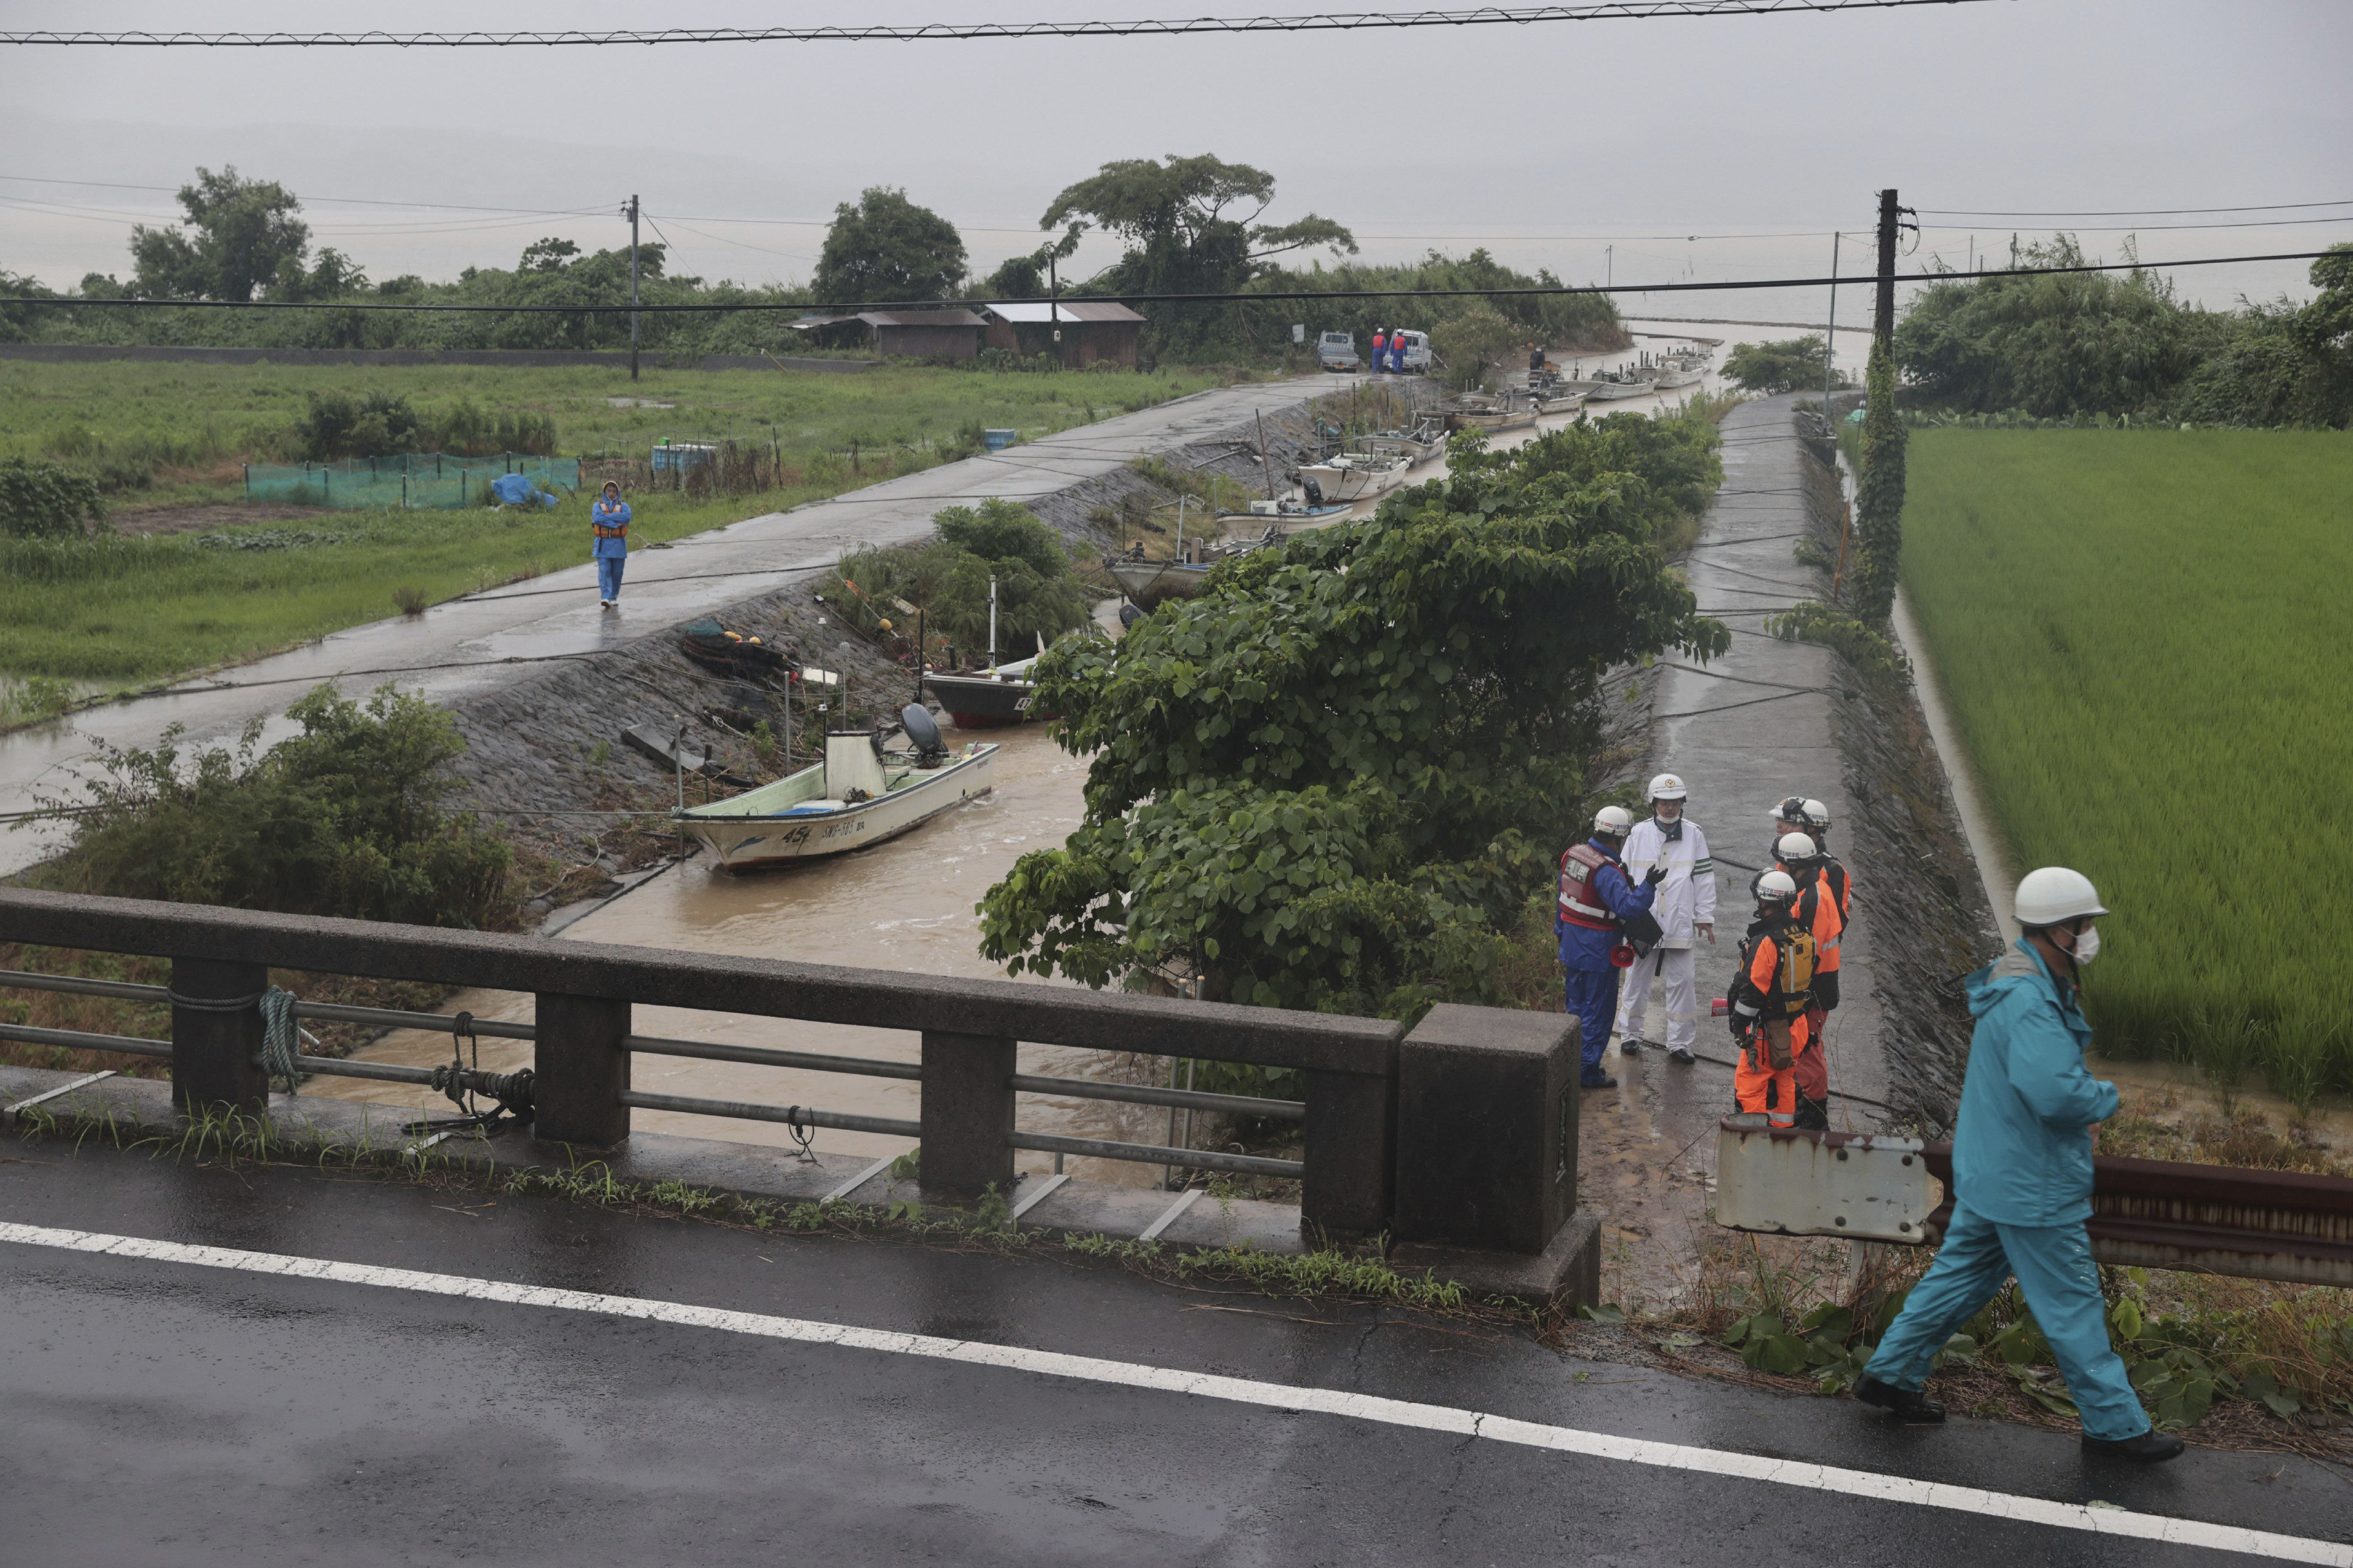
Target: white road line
x,y
1713,1462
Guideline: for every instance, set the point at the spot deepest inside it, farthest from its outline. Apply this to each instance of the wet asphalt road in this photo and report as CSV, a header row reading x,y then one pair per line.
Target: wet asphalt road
x,y
164,1413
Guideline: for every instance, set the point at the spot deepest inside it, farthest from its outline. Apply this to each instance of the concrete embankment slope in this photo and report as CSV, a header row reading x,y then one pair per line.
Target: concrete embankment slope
x,y
488,642
1773,719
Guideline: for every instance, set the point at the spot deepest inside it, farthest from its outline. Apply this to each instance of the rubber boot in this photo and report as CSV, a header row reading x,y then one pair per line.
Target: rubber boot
x,y
1912,1408
2149,1448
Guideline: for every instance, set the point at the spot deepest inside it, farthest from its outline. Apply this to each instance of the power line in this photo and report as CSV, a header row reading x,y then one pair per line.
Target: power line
x,y
333,201
2123,212
1227,298
1321,22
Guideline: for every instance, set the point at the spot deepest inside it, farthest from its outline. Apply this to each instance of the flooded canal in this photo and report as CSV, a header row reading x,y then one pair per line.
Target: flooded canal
x,y
905,905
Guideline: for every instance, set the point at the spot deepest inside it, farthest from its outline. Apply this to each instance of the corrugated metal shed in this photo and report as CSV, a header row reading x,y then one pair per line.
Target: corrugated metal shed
x,y
1092,330
1034,310
953,333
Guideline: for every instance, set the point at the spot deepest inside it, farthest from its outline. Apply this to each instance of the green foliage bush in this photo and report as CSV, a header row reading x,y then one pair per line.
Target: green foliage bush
x,y
382,425
1332,780
43,500
1791,365
947,580
345,818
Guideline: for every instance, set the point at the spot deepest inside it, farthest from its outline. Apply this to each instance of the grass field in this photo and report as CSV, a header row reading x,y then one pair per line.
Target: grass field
x,y
158,434
109,611
2145,638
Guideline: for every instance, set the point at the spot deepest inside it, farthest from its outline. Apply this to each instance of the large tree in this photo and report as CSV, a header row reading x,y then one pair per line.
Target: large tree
x,y
1335,779
885,247
1191,228
243,238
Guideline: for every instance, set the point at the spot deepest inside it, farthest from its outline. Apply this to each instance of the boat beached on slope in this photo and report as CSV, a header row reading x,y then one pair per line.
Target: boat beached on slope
x,y
859,795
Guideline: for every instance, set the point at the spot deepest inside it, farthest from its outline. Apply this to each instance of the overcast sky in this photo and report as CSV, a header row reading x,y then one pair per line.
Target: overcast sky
x,y
1546,144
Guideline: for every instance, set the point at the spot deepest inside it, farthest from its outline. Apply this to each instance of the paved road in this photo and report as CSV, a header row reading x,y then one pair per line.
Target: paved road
x,y
162,1411
556,615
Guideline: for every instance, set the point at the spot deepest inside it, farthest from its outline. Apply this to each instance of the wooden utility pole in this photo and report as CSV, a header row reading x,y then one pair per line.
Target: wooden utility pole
x,y
633,288
1882,320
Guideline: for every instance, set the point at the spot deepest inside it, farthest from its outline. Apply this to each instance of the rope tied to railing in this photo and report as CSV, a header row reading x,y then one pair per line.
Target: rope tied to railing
x,y
461,1081
281,1036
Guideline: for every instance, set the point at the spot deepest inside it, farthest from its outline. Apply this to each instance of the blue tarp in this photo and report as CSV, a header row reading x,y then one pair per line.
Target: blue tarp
x,y
516,490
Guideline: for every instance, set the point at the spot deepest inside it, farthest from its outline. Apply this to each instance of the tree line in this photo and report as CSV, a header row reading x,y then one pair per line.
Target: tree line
x,y
1187,225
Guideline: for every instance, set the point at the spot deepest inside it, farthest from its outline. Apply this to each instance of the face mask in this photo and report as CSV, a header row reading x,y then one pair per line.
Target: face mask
x,y
2087,945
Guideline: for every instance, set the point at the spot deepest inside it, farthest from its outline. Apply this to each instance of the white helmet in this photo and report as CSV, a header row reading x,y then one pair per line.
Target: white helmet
x,y
1775,888
2053,894
1795,847
1817,816
1667,786
1613,821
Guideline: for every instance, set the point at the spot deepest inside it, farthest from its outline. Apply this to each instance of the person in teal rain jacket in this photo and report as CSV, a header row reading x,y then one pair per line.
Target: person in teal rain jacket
x,y
610,519
2022,1182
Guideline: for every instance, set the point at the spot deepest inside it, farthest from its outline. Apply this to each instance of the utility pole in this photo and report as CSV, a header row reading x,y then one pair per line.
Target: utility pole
x,y
633,288
1609,266
1054,303
1829,340
1883,319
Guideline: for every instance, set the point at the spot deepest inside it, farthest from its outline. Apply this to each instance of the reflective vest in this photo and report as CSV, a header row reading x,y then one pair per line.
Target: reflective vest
x,y
1777,967
1580,903
608,531
1817,909
1381,342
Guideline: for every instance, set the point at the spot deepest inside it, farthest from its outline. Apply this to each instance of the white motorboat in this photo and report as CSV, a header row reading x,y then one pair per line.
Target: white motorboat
x,y
859,795
1611,385
1353,476
1417,445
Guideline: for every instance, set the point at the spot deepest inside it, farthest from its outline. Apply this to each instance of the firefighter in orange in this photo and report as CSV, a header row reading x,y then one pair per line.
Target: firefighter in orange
x,y
1769,1003
1816,909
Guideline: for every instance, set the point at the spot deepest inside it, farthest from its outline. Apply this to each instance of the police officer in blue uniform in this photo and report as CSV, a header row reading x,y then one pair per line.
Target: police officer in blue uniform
x,y
1600,908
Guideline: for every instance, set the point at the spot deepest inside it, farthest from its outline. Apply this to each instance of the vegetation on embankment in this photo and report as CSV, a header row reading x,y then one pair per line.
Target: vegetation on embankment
x,y
946,583
349,817
2122,344
2141,635
1334,779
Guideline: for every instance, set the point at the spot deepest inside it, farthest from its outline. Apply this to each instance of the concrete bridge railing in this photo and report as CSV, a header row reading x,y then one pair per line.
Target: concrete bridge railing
x,y
1456,1141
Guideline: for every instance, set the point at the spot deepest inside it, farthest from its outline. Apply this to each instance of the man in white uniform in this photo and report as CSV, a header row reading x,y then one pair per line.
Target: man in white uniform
x,y
1685,906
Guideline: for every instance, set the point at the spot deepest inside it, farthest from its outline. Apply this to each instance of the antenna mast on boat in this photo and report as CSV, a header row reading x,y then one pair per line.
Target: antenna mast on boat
x,y
992,625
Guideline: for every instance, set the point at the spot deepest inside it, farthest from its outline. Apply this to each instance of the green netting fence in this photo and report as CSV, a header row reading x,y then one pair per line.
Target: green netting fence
x,y
422,482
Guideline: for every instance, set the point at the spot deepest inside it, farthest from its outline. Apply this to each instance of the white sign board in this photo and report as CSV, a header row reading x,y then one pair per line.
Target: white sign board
x,y
1867,1187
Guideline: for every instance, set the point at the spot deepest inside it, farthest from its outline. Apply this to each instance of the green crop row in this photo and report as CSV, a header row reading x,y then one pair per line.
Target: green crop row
x,y
2145,641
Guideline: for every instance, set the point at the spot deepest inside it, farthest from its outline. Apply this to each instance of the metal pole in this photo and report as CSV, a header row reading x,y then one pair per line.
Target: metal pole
x,y
633,288
992,625
1883,319
1829,338
1054,303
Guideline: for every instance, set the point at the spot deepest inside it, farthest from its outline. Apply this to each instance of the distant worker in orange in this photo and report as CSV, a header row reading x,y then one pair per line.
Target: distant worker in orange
x,y
1381,342
1769,1001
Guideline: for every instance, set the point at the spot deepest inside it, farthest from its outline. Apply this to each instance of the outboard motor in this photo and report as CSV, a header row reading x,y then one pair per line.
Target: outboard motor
x,y
923,733
1314,492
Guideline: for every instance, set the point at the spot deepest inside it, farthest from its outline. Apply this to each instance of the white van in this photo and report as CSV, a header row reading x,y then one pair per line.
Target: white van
x,y
1337,351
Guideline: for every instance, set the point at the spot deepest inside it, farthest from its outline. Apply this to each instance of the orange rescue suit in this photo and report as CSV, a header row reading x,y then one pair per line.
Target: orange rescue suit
x,y
1770,1007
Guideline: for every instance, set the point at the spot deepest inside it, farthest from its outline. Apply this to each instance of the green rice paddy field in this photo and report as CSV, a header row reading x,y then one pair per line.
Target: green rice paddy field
x,y
2147,637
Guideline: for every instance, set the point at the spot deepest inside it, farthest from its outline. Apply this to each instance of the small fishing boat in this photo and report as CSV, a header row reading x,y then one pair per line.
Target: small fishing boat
x,y
986,698
1558,397
1289,508
1611,385
1148,582
859,795
1417,445
1479,411
1353,476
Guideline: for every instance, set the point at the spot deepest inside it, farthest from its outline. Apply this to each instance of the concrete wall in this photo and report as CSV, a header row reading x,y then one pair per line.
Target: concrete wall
x,y
533,359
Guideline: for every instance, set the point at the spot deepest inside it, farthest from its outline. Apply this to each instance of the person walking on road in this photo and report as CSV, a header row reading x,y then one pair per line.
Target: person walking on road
x,y
610,519
1685,906
1772,990
1599,906
2023,1181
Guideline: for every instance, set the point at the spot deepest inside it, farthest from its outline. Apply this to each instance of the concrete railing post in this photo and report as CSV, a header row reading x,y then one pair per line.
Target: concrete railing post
x,y
1486,1154
216,1034
580,1070
967,1111
1350,1133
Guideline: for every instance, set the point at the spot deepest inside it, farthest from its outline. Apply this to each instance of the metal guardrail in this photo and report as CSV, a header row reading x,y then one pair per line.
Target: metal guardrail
x,y
2287,1225
1333,1052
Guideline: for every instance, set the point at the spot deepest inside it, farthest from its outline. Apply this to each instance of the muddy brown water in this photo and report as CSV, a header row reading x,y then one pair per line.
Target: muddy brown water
x,y
905,905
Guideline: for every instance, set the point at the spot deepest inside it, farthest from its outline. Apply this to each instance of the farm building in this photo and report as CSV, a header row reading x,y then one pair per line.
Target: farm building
x,y
913,334
1091,330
